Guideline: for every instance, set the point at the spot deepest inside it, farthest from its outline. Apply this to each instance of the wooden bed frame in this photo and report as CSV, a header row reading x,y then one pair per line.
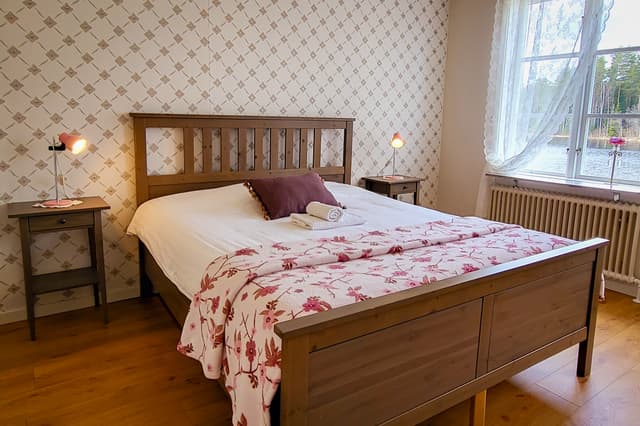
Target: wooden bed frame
x,y
404,357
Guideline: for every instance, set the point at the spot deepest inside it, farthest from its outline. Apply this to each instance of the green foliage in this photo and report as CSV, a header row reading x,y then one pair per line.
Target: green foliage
x,y
617,84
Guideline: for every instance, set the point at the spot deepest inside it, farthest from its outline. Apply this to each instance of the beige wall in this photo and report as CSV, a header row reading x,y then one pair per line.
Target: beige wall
x,y
466,75
84,66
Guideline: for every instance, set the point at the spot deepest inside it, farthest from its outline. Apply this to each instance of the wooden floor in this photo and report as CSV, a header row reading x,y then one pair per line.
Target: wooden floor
x,y
80,372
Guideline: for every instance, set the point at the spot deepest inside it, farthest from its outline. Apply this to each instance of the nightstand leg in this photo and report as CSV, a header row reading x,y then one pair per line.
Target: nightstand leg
x,y
97,235
30,313
92,252
25,240
96,295
416,195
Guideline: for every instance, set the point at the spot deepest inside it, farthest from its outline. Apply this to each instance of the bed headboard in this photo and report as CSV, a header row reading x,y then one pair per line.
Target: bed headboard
x,y
258,152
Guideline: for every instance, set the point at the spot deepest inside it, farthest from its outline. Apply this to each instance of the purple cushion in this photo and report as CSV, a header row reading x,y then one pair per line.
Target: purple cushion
x,y
281,196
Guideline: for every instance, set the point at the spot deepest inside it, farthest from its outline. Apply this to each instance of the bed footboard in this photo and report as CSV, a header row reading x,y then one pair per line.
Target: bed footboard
x,y
402,358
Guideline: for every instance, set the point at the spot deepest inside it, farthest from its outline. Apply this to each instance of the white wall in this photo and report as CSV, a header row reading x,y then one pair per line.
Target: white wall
x,y
466,75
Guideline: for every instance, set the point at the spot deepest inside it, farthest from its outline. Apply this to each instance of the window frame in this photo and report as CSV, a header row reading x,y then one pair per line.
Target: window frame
x,y
586,102
580,115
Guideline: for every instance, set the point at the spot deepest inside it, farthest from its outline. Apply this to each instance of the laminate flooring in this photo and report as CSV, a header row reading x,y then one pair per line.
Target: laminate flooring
x,y
80,372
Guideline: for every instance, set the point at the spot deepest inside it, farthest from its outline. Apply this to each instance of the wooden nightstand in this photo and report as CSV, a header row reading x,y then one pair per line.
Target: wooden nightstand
x,y
394,187
35,220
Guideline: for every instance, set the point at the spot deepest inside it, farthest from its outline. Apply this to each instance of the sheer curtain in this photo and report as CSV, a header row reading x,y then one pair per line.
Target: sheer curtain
x,y
541,53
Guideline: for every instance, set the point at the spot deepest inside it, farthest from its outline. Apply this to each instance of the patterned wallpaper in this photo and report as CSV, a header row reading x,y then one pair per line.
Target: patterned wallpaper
x,y
84,65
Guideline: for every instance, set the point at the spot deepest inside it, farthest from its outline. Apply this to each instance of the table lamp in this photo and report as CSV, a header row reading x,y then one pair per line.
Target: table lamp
x,y
396,142
74,143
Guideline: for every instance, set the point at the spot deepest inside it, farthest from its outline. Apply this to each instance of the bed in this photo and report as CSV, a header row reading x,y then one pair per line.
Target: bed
x,y
466,312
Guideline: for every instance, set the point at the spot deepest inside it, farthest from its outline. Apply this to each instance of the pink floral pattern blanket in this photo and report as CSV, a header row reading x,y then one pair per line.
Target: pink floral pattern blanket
x,y
229,327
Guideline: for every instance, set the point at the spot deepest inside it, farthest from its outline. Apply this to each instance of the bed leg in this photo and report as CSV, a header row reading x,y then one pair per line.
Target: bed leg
x,y
585,349
585,353
146,287
478,409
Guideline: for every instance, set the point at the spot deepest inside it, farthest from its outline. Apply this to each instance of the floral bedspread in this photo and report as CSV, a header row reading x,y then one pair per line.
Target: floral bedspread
x,y
229,327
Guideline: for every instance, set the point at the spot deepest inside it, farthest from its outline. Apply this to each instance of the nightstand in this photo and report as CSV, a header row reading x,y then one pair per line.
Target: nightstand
x,y
392,187
82,216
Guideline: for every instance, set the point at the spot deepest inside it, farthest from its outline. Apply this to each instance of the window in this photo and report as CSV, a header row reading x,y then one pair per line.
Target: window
x,y
608,104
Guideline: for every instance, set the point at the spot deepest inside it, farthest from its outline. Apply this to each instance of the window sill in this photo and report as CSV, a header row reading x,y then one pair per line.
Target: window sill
x,y
622,193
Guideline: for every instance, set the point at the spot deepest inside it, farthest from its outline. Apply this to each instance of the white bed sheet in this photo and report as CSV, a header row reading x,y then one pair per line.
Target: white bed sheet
x,y
185,232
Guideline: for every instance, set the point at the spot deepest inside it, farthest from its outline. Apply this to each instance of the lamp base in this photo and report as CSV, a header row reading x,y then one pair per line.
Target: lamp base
x,y
393,177
57,203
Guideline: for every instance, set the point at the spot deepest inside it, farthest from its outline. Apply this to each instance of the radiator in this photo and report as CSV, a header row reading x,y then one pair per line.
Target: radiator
x,y
577,218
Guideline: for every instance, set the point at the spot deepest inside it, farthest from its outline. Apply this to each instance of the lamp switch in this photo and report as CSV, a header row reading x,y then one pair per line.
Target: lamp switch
x,y
60,180
616,196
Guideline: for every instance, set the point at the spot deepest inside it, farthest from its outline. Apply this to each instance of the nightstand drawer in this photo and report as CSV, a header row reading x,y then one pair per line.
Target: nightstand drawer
x,y
403,188
60,221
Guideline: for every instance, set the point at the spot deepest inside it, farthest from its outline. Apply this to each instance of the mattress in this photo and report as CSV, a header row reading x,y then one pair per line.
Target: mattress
x,y
185,231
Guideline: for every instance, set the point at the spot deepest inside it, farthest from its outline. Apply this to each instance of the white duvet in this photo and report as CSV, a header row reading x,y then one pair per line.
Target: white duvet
x,y
185,232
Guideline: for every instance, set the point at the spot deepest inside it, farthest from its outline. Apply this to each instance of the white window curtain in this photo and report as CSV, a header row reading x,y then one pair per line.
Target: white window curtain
x,y
535,40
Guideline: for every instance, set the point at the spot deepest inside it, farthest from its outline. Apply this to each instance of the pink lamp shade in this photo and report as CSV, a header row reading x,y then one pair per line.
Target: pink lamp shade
x,y
74,143
397,141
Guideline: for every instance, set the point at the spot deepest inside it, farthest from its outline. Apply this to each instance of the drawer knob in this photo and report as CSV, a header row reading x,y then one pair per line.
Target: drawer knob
x,y
62,221
405,187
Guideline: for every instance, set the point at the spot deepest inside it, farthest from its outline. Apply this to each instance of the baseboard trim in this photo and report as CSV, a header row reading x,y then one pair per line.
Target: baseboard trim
x,y
64,306
13,316
621,287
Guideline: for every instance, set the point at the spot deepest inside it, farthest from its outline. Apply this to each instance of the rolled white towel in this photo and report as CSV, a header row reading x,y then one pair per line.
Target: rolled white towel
x,y
308,221
325,211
